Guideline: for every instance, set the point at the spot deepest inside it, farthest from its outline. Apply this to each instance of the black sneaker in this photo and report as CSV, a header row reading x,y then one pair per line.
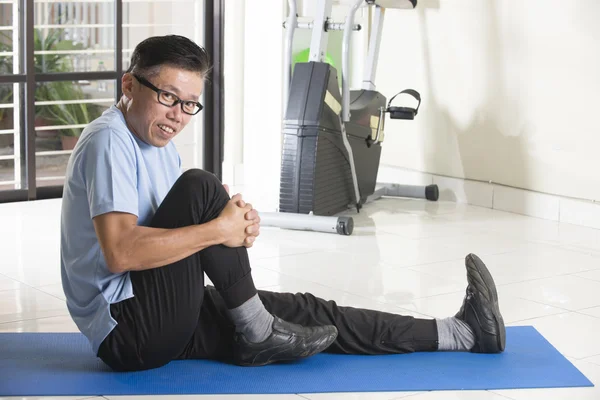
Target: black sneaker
x,y
288,342
480,308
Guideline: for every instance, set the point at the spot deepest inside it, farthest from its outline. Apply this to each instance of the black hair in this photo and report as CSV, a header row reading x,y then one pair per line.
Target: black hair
x,y
172,50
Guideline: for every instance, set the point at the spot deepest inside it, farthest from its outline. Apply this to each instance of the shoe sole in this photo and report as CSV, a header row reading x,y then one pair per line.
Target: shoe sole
x,y
474,262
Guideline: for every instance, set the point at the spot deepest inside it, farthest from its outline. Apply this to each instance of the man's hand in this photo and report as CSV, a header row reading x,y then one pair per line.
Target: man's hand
x,y
253,231
233,222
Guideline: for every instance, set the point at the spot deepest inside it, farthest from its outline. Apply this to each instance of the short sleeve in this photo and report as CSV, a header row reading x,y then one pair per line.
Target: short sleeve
x,y
109,171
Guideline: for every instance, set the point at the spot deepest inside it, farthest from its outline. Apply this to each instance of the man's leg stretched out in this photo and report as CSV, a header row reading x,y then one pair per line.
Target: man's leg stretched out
x,y
477,327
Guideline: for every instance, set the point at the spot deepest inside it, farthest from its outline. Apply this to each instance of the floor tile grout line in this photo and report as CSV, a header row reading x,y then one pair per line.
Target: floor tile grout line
x,y
533,318
32,287
588,308
549,277
35,319
500,394
587,315
586,357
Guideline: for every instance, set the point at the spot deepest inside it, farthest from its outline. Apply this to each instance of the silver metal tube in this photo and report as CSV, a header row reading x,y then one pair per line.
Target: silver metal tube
x,y
289,38
308,222
373,52
319,37
331,26
337,26
346,61
351,160
299,25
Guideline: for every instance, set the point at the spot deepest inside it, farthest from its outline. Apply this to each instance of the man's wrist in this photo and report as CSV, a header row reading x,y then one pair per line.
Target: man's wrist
x,y
214,230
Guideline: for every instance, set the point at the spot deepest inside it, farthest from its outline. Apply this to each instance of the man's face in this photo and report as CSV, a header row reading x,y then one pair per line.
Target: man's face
x,y
151,121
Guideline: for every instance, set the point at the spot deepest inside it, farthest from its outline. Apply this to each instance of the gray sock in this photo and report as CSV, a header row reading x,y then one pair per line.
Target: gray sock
x,y
454,335
253,320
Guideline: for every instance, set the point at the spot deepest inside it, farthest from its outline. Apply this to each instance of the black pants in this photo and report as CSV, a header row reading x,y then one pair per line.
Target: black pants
x,y
174,316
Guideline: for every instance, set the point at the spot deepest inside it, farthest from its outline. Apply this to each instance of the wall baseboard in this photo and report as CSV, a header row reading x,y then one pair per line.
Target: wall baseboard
x,y
500,197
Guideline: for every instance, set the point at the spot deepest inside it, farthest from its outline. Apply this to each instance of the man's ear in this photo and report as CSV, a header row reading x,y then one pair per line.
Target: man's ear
x,y
127,84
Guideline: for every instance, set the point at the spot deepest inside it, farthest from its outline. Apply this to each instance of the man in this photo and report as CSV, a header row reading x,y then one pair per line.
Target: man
x,y
137,237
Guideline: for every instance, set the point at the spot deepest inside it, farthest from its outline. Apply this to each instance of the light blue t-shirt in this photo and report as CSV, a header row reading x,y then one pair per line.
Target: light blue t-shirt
x,y
110,169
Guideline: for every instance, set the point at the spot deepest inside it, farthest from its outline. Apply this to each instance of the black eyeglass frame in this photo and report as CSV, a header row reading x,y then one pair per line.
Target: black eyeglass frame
x,y
158,91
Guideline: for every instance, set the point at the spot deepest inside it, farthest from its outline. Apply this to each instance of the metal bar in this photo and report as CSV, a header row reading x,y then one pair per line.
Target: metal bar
x,y
7,131
84,51
118,46
11,157
331,26
29,127
335,26
19,138
303,222
318,42
373,52
60,26
106,1
346,61
292,22
82,101
53,153
76,76
214,18
209,98
54,127
13,78
49,178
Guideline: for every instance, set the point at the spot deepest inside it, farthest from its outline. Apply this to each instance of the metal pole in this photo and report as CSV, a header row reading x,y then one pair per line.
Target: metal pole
x,y
289,39
29,64
346,61
373,52
318,42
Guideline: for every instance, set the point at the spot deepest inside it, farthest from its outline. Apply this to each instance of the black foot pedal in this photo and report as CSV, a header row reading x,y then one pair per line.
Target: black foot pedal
x,y
404,112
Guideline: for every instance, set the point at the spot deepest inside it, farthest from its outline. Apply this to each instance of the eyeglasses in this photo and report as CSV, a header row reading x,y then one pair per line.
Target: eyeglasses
x,y
170,100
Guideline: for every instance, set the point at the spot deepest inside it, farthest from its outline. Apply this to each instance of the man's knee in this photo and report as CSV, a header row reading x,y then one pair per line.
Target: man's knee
x,y
202,186
198,178
196,175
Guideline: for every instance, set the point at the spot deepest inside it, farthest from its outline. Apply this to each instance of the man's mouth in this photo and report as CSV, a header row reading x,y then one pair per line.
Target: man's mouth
x,y
167,129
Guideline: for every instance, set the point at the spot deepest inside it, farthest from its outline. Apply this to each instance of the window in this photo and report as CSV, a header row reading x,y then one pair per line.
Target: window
x,y
50,91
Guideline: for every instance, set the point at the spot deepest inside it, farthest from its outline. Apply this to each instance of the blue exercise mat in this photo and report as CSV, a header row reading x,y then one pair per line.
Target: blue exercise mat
x,y
62,364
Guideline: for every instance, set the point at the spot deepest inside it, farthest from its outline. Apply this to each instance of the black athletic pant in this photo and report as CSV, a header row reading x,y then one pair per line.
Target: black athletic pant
x,y
174,316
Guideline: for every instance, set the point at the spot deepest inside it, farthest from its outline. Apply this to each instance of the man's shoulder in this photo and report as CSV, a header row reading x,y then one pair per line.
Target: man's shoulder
x,y
106,129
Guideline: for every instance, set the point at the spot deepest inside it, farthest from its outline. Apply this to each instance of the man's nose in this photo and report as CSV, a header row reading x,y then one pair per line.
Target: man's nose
x,y
175,113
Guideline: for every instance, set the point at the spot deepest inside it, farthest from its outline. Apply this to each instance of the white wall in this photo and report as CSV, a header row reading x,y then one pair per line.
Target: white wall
x,y
233,72
263,85
511,92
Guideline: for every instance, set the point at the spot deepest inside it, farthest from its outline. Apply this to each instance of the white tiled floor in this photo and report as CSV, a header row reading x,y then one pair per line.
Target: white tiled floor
x,y
406,256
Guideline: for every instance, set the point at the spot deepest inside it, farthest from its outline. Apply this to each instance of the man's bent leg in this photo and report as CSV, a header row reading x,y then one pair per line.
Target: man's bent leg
x,y
157,324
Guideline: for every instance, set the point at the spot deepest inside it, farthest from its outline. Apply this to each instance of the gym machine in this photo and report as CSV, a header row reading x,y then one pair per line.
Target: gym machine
x,y
331,140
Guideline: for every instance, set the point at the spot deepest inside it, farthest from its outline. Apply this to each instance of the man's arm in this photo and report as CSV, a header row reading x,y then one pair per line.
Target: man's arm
x,y
129,247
